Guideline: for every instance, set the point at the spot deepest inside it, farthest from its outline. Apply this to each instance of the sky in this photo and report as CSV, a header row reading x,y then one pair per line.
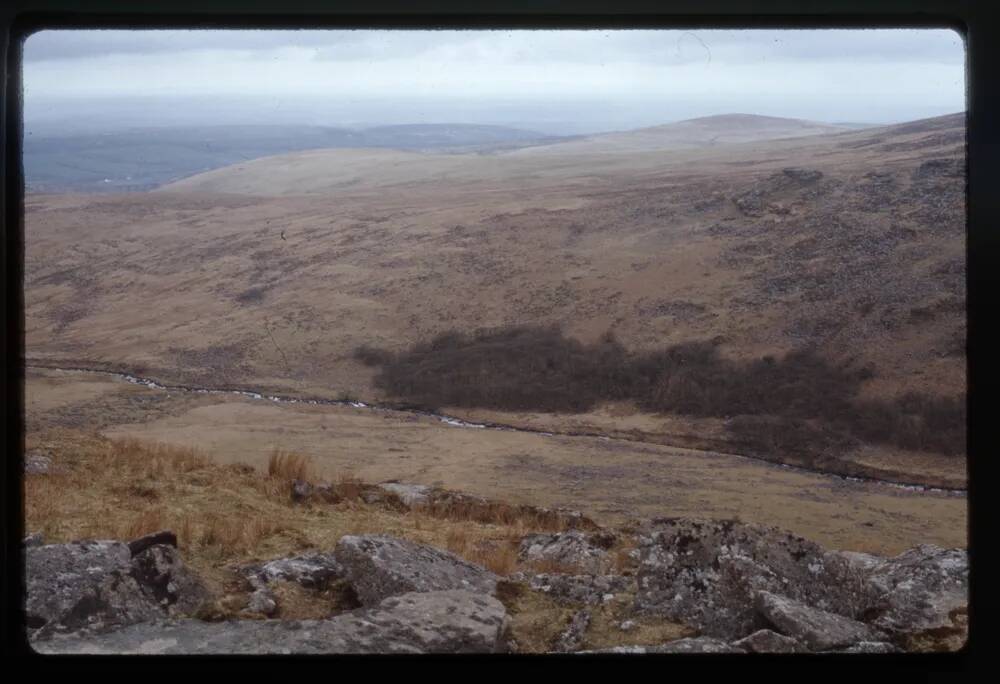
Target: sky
x,y
554,81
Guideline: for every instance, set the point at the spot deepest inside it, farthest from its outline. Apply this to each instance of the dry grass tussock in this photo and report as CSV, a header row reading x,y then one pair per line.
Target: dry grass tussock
x,y
496,513
121,489
289,466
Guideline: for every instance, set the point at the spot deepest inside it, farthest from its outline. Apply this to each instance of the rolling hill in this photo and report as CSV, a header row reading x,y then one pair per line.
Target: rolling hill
x,y
143,158
849,244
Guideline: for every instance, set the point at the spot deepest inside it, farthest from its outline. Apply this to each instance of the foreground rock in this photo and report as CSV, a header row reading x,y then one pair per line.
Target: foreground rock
x,y
922,597
693,645
817,629
163,576
576,589
84,585
768,641
379,566
706,573
99,585
572,637
432,622
573,550
310,570
872,647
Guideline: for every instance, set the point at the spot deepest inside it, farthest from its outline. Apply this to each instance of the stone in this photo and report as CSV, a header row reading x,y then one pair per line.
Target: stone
x,y
706,573
696,645
163,576
34,539
261,601
37,463
380,566
137,546
690,645
817,629
576,589
410,494
311,570
574,550
871,647
769,641
430,622
99,585
84,585
572,636
922,598
300,490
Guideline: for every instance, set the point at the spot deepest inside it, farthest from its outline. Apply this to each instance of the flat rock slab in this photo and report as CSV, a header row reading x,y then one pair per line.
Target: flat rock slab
x,y
817,629
380,566
431,622
410,494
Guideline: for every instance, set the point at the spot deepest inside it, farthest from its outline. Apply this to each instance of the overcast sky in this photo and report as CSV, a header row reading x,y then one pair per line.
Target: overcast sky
x,y
560,81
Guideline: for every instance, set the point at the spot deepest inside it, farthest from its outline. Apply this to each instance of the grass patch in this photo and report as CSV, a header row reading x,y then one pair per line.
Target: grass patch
x,y
233,513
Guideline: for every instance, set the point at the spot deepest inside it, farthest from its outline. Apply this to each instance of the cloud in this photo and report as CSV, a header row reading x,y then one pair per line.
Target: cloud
x,y
586,46
840,74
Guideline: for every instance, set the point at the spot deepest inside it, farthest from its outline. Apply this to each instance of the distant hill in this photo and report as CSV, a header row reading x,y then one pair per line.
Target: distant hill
x,y
365,168
702,132
140,159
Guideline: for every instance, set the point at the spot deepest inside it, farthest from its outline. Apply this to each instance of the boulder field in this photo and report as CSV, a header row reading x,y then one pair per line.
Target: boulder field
x,y
742,588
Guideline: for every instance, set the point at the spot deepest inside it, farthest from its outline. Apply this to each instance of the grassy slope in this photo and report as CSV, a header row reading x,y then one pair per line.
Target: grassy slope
x,y
400,247
226,515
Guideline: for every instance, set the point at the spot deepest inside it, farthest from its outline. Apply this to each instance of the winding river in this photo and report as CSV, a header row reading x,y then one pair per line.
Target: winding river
x,y
452,420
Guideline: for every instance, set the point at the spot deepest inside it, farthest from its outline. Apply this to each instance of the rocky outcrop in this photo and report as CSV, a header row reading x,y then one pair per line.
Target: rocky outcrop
x,y
573,550
817,629
163,576
84,585
707,573
769,641
100,585
576,589
946,167
432,622
922,595
380,566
